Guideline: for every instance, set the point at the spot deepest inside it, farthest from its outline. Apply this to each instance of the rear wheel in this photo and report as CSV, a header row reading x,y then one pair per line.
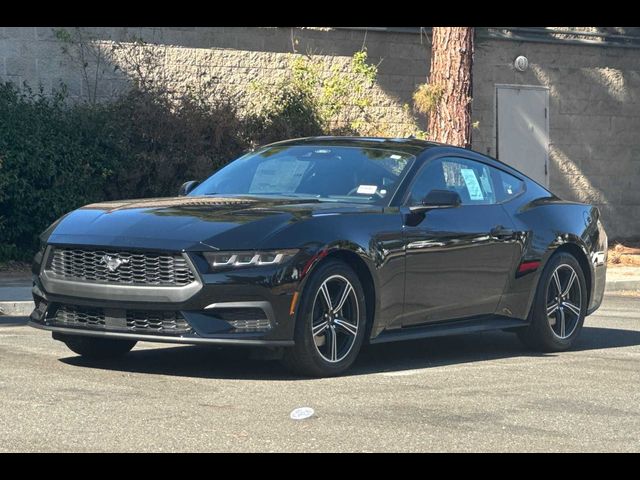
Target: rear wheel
x,y
559,307
331,322
93,347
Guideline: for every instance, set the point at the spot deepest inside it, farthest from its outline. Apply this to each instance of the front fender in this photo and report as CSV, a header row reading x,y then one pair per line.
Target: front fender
x,y
374,238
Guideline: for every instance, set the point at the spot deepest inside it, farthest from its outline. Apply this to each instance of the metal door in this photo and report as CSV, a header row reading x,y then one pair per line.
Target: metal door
x,y
522,129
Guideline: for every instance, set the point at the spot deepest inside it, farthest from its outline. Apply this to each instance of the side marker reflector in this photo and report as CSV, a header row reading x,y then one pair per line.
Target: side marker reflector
x,y
294,301
528,266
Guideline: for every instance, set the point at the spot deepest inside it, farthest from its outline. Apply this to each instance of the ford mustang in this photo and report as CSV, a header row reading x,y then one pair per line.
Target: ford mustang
x,y
312,247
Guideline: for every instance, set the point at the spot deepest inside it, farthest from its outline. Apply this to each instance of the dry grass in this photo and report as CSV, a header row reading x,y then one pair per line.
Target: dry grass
x,y
624,255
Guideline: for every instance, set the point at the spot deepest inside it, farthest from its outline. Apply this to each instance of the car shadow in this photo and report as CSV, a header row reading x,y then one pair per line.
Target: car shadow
x,y
241,363
495,345
13,321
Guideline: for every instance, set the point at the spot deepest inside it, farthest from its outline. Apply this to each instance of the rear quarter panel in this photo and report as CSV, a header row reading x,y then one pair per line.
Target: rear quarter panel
x,y
544,223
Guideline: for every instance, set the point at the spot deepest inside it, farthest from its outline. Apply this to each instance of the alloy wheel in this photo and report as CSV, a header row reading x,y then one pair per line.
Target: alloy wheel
x,y
335,318
564,301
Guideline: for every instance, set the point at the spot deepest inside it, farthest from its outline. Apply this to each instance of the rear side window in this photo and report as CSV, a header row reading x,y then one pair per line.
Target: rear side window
x,y
471,180
508,186
476,183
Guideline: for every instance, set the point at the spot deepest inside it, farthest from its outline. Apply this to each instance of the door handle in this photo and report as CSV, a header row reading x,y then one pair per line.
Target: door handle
x,y
501,232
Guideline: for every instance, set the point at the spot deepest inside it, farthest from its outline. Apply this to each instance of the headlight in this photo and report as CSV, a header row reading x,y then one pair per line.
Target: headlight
x,y
223,260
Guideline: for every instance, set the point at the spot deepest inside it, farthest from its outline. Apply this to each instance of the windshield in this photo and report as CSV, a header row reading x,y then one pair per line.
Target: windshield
x,y
326,173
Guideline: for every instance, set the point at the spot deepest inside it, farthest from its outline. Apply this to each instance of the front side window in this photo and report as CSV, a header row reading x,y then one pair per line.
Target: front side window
x,y
473,181
326,173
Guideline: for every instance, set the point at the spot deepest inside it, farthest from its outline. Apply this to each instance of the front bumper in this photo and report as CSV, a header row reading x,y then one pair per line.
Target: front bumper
x,y
598,258
207,310
599,279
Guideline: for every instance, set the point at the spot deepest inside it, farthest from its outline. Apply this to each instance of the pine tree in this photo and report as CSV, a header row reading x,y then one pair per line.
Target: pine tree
x,y
450,77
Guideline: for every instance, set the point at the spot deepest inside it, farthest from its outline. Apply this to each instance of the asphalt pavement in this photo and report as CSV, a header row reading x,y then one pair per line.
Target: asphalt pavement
x,y
482,392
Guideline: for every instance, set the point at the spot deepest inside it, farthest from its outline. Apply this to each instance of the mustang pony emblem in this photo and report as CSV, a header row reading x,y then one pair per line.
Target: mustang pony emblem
x,y
113,263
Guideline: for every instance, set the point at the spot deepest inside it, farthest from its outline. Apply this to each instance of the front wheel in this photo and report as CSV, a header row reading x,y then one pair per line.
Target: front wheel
x,y
331,322
97,348
559,307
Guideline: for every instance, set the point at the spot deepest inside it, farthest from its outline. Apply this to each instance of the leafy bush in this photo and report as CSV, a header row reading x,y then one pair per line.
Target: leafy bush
x,y
57,155
49,162
313,101
159,145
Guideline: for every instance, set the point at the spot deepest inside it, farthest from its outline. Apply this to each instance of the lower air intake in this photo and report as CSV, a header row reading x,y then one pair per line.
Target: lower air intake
x,y
150,322
244,319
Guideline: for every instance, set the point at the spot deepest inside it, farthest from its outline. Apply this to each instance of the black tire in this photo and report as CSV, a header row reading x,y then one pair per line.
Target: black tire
x,y
540,334
306,356
98,348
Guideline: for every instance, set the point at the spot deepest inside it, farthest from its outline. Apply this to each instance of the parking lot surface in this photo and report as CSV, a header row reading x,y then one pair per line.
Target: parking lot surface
x,y
482,392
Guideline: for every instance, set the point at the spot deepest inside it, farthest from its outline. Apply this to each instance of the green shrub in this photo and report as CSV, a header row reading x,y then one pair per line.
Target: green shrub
x,y
57,155
314,100
160,144
48,164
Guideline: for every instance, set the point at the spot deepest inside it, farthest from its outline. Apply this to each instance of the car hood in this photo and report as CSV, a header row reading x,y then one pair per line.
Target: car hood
x,y
189,223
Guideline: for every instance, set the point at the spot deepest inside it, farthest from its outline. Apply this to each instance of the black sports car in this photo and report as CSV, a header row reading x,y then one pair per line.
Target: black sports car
x,y
312,247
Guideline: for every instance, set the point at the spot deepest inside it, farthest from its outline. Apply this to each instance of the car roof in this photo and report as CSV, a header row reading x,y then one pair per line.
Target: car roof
x,y
412,146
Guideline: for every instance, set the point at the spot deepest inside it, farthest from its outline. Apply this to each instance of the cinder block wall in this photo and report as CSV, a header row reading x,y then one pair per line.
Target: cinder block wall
x,y
594,90
594,120
232,57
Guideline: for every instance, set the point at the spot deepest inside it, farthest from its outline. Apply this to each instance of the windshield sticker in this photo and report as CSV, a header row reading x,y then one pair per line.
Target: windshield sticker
x,y
367,189
486,184
471,181
508,188
278,175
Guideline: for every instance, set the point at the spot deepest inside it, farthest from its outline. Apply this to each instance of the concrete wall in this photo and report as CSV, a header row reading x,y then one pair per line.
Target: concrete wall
x,y
594,120
223,58
594,90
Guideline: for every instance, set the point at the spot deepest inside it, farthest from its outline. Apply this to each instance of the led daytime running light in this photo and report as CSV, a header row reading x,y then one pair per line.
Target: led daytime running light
x,y
220,260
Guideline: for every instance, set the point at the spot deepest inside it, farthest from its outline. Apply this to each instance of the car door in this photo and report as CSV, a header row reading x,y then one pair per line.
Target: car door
x,y
457,259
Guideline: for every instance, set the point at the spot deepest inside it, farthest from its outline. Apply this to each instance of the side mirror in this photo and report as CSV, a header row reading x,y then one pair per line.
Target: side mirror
x,y
187,187
438,199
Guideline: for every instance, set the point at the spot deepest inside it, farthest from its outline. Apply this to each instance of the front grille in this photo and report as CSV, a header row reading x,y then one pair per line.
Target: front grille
x,y
147,322
135,268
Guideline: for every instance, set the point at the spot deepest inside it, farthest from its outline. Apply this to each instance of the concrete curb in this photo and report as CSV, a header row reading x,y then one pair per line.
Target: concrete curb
x,y
16,309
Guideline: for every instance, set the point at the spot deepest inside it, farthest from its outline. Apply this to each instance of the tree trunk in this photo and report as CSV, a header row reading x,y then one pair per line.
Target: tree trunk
x,y
451,62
